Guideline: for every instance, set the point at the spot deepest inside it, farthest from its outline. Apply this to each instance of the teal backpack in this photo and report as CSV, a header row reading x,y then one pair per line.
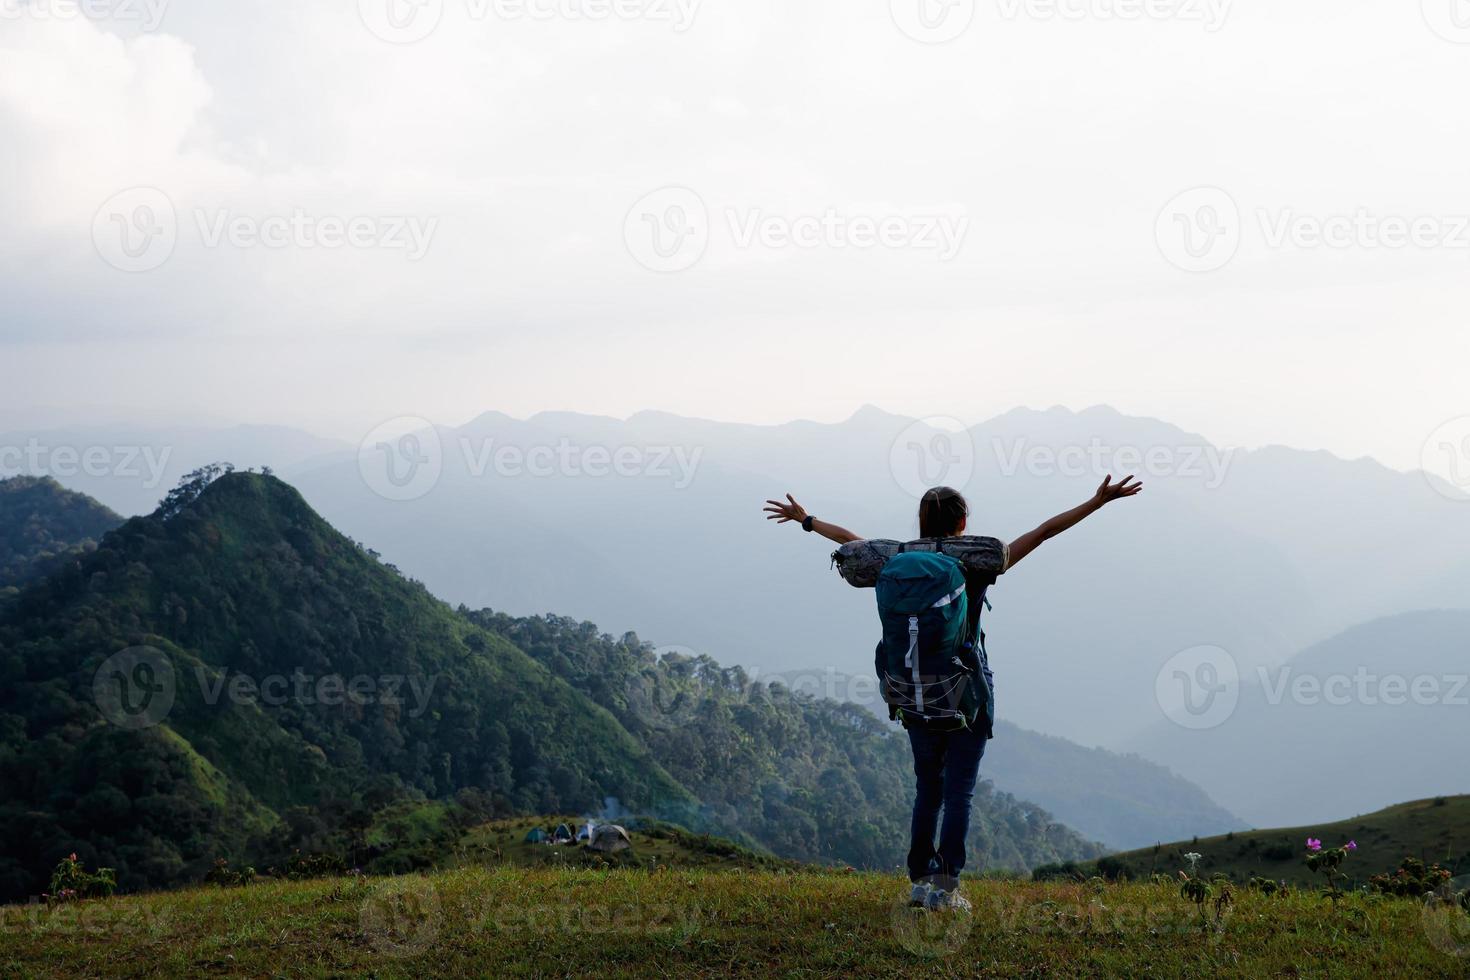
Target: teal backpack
x,y
926,662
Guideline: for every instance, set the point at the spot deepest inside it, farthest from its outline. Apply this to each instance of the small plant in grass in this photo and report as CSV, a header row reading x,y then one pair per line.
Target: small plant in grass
x,y
1224,896
1192,886
71,881
1267,886
299,866
1328,863
1199,890
227,877
1413,879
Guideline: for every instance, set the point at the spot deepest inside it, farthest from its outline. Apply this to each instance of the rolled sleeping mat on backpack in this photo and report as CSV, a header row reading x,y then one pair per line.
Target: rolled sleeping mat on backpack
x,y
860,562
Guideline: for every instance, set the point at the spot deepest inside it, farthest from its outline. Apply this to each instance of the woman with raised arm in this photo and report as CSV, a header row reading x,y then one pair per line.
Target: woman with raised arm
x,y
948,723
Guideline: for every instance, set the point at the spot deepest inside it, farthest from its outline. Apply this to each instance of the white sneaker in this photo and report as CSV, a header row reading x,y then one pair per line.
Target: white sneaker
x,y
919,896
941,900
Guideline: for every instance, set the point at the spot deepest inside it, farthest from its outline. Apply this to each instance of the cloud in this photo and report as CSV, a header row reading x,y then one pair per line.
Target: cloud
x,y
88,112
527,140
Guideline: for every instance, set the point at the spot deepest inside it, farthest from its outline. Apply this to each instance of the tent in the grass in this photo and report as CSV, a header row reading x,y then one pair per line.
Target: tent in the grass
x,y
536,836
609,838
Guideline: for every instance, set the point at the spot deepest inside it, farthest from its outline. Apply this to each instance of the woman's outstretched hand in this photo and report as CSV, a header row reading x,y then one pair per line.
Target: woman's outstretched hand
x,y
790,512
784,513
1106,494
1110,491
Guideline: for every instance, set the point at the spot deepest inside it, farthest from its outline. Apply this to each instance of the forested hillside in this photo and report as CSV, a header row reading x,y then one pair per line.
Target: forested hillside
x,y
309,686
42,524
810,778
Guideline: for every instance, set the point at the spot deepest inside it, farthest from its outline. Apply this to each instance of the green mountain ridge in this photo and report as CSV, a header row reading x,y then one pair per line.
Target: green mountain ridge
x,y
312,686
42,524
247,582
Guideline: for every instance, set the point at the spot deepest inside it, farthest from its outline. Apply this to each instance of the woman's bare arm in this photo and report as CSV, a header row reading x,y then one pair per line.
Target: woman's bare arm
x,y
1106,494
789,511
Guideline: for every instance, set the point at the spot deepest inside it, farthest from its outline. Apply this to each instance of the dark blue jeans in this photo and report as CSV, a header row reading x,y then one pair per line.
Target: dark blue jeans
x,y
947,765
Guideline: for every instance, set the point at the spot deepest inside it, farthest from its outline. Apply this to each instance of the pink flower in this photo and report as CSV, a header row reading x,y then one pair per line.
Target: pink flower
x,y
73,856
1313,844
1351,845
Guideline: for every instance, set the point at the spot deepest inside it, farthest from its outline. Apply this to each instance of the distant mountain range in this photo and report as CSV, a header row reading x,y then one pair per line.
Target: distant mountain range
x,y
1373,715
653,523
130,467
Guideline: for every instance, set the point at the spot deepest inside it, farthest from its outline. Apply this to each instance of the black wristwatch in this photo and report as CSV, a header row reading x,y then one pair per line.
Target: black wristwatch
x,y
806,524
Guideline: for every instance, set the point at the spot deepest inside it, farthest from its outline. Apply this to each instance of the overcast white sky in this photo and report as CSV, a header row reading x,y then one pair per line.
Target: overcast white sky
x,y
520,141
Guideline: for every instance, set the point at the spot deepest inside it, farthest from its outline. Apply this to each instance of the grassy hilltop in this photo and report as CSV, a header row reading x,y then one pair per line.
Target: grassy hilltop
x,y
632,923
1434,831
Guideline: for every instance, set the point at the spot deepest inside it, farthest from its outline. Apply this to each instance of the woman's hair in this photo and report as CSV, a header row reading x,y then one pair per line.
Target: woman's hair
x,y
940,512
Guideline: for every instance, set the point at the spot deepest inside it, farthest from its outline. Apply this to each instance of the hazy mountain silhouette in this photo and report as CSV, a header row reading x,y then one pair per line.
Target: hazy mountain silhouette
x,y
1265,554
1378,713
